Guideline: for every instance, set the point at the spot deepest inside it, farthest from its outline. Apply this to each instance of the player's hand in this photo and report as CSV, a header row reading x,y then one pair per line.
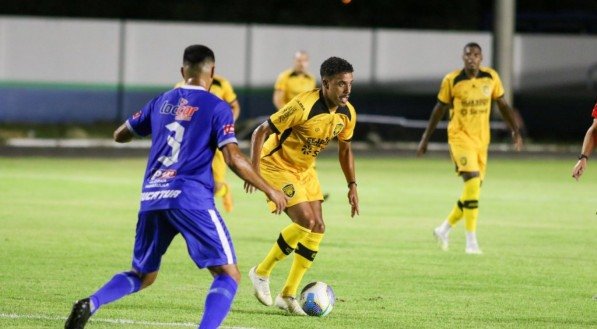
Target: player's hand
x,y
249,188
353,200
579,168
517,139
279,199
422,148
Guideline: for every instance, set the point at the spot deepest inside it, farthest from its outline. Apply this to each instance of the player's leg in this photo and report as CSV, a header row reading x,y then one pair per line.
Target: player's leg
x,y
289,236
222,189
307,248
153,236
209,245
472,187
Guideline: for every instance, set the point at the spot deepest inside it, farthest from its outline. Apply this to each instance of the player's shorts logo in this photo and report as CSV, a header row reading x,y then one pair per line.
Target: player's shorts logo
x,y
463,161
288,189
338,128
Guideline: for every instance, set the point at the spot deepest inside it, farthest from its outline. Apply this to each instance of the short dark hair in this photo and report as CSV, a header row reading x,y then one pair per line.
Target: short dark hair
x,y
197,55
472,45
333,66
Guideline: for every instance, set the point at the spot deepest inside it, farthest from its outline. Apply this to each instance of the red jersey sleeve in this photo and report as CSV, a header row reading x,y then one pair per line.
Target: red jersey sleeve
x,y
595,111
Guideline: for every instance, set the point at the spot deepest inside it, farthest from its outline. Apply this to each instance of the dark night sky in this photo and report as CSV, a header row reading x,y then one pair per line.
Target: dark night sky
x,y
571,16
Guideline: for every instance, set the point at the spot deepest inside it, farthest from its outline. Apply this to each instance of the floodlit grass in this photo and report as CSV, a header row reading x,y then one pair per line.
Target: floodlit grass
x,y
67,225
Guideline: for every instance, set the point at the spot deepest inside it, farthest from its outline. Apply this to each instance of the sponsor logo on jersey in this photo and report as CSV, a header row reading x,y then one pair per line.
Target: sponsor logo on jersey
x,y
163,175
228,129
182,111
288,189
157,195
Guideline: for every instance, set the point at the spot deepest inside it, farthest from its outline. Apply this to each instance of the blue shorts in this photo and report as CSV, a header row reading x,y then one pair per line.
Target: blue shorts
x,y
208,240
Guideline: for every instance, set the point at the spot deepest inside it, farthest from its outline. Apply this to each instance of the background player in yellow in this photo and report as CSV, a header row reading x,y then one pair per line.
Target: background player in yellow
x,y
222,88
468,93
293,81
283,150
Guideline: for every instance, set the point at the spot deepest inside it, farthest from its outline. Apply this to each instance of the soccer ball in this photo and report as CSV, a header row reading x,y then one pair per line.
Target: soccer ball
x,y
317,299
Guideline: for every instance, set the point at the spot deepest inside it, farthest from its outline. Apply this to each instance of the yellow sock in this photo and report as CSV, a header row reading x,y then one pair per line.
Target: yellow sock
x,y
303,259
456,213
472,190
287,242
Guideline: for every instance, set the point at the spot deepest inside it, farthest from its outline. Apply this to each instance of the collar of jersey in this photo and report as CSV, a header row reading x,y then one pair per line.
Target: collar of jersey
x,y
194,87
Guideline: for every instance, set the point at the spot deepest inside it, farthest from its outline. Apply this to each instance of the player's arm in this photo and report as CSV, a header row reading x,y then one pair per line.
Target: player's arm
x,y
508,115
588,145
439,110
123,134
346,159
258,138
237,162
235,106
278,98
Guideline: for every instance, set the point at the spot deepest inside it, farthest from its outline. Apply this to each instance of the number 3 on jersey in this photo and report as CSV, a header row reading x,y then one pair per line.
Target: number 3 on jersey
x,y
174,142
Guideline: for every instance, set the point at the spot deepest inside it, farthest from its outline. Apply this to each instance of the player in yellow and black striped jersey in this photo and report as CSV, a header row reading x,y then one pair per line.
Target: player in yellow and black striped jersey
x,y
293,81
469,93
284,149
222,88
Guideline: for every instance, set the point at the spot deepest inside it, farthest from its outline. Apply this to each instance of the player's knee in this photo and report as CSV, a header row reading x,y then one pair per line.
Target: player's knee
x,y
147,279
318,227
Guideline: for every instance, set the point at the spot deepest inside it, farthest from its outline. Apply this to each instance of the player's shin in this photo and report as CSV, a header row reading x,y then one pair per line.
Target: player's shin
x,y
218,301
286,243
120,285
303,259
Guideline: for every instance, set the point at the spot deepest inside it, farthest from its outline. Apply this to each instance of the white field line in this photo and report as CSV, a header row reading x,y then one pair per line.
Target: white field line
x,y
112,321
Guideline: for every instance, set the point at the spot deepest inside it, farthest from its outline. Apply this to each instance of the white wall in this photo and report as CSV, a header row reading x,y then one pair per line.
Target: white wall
x,y
154,50
87,51
49,50
423,55
273,48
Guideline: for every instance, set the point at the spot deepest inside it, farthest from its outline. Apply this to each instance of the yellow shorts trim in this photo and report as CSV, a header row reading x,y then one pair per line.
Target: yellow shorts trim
x,y
298,187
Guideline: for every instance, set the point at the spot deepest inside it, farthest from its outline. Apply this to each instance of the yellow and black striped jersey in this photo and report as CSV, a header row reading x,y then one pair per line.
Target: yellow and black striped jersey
x,y
303,128
470,101
293,83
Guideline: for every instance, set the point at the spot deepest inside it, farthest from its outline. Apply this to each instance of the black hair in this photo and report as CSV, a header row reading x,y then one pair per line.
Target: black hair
x,y
473,45
333,66
197,54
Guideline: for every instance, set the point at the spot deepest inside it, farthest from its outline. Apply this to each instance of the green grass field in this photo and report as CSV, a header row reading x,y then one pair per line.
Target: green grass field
x,y
67,225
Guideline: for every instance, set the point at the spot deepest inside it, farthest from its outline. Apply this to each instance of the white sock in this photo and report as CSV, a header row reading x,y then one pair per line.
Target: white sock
x,y
471,239
445,227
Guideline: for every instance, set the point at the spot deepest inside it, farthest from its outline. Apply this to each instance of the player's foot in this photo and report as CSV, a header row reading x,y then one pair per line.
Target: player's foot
x,y
442,239
227,199
473,249
261,287
79,315
289,304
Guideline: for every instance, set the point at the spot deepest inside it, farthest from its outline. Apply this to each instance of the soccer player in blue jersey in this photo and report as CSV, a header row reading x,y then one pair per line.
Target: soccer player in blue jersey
x,y
186,125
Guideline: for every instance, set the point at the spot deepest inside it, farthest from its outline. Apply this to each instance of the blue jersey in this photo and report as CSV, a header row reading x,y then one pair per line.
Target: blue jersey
x,y
186,125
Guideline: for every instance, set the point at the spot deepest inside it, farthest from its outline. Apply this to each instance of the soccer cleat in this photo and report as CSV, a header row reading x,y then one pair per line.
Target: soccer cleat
x,y
261,287
442,239
290,305
473,249
79,315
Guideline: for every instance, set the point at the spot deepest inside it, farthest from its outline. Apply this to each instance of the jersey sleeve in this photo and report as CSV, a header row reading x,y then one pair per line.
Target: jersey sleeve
x,y
288,116
346,134
223,125
498,89
595,111
445,91
228,92
281,81
140,122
